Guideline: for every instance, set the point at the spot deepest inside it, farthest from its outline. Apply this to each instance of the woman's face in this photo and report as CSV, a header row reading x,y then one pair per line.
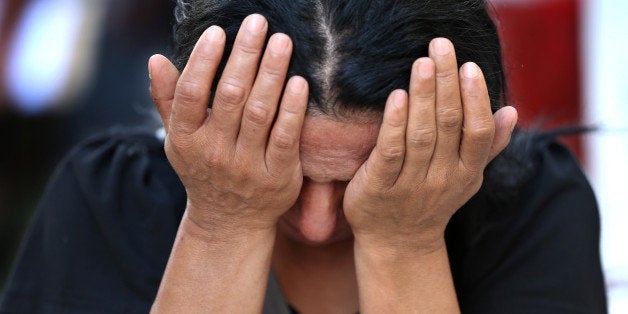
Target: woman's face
x,y
331,153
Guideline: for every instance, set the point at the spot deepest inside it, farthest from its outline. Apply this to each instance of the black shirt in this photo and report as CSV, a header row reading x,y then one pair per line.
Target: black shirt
x,y
105,226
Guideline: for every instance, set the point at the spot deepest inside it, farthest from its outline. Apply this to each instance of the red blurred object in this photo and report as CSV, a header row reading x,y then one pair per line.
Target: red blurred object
x,y
541,45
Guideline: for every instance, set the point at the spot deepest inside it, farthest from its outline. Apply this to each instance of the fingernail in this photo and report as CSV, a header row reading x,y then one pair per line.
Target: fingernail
x,y
255,23
471,70
213,33
426,70
398,99
442,46
513,124
297,85
279,43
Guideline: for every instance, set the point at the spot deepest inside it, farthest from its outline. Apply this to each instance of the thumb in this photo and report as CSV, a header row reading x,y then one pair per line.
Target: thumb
x,y
163,82
505,121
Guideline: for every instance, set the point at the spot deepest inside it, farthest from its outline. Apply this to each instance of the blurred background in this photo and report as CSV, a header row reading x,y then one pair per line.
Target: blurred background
x,y
70,68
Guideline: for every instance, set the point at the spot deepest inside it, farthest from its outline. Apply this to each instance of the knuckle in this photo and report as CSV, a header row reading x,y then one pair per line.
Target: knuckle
x,y
392,153
176,143
473,94
181,128
170,150
180,151
482,135
214,158
396,122
422,138
245,174
291,108
229,93
476,185
272,74
283,139
450,119
248,48
257,113
188,91
425,96
447,75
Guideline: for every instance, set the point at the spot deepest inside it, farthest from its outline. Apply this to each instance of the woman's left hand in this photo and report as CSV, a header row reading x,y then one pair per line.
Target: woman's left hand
x,y
432,148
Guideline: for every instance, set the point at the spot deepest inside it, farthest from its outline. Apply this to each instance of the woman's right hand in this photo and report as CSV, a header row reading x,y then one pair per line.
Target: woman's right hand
x,y
240,167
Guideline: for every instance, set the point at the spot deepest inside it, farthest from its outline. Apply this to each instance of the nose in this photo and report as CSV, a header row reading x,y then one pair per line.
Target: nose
x,y
321,196
319,209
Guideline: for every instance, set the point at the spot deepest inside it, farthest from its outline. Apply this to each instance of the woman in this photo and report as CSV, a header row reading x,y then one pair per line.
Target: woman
x,y
345,152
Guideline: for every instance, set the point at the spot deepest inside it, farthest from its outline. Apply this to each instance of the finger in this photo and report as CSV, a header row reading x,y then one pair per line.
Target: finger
x,y
448,106
261,105
163,82
421,133
189,108
505,121
283,144
478,126
237,78
386,160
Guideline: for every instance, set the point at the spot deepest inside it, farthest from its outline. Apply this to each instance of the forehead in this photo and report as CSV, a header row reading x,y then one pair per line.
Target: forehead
x,y
333,150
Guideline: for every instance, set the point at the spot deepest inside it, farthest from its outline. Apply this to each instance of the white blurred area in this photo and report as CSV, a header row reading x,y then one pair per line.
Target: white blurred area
x,y
605,65
52,54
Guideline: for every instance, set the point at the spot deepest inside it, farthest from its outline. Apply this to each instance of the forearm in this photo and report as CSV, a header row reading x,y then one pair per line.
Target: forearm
x,y
390,281
215,273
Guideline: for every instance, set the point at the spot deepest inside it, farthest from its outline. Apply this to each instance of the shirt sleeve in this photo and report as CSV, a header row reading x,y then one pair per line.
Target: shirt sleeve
x,y
540,255
101,236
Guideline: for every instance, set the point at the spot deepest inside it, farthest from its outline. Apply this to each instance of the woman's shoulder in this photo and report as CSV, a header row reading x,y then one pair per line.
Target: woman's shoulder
x,y
103,228
120,157
124,181
533,228
123,143
535,165
535,176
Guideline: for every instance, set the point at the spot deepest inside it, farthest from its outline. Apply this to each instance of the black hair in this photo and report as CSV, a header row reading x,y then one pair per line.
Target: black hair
x,y
353,53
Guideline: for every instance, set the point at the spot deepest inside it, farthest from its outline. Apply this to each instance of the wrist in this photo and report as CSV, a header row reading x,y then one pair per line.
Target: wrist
x,y
221,231
400,245
402,281
210,269
394,257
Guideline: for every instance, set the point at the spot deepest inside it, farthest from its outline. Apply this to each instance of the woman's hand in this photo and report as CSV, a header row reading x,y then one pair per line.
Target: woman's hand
x,y
240,167
433,146
239,164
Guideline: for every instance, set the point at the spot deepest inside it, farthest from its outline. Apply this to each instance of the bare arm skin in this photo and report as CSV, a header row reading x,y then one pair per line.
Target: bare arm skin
x,y
241,171
433,146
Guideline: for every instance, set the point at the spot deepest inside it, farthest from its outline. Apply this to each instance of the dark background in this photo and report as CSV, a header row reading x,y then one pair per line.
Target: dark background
x,y
117,94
